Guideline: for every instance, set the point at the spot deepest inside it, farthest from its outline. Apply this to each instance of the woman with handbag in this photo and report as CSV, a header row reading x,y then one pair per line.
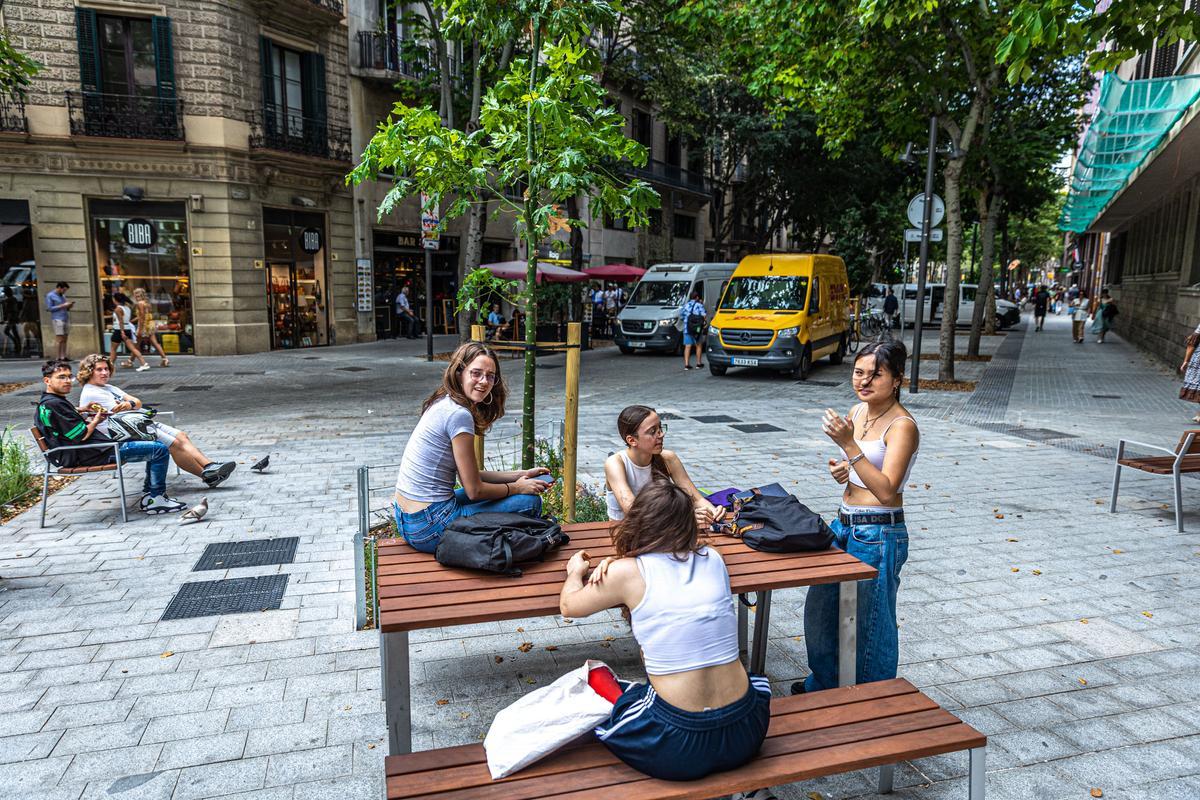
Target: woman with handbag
x,y
441,451
879,442
628,471
700,712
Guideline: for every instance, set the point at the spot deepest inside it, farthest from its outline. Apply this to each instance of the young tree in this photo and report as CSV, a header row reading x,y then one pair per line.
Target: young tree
x,y
16,69
544,126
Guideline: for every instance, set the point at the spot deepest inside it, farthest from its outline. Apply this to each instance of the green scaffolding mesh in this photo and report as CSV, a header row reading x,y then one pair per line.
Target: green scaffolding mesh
x,y
1131,119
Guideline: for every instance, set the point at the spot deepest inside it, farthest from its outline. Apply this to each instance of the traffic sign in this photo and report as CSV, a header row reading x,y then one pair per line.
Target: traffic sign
x,y
916,211
914,234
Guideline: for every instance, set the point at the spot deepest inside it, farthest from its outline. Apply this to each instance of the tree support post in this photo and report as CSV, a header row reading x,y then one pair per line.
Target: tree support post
x,y
478,335
571,420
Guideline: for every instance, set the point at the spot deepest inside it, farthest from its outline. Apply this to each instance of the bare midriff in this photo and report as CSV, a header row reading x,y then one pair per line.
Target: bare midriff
x,y
410,506
707,687
858,496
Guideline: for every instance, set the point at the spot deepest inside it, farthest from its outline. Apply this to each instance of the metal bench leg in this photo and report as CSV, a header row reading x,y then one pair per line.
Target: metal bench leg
x,y
121,489
45,492
887,775
977,772
1178,503
397,691
762,629
1112,506
743,627
847,633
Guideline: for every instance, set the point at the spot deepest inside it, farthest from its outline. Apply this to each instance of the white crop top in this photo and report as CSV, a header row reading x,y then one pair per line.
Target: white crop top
x,y
637,477
875,449
687,619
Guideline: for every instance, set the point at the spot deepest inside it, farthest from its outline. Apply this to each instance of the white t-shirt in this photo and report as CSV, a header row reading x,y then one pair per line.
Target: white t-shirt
x,y
107,396
427,468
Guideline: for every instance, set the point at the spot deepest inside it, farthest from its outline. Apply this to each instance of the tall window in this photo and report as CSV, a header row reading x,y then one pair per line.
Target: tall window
x,y
293,89
288,88
643,131
127,64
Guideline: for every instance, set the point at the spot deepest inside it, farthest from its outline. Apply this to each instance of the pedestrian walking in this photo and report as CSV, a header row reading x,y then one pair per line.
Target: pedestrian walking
x,y
60,316
1103,317
124,332
1079,315
31,330
1190,368
694,322
891,307
11,314
879,441
1041,299
147,329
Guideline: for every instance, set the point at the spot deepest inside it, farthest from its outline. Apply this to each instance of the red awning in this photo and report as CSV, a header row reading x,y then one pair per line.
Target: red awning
x,y
615,272
546,273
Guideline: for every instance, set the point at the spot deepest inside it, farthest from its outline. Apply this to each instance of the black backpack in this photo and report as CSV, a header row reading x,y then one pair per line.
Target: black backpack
x,y
781,525
696,323
498,541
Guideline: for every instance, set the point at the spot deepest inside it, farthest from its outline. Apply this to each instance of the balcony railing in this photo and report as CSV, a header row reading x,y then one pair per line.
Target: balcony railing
x,y
290,132
384,52
671,175
12,115
124,116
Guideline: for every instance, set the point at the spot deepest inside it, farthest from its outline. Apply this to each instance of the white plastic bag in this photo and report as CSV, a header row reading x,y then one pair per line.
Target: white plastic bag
x,y
544,720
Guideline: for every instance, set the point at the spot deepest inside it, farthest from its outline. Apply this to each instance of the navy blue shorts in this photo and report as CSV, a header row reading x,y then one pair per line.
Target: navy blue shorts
x,y
654,737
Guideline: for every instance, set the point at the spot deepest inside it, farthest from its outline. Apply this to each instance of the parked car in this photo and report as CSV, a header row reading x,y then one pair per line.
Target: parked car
x,y
1007,313
650,319
20,278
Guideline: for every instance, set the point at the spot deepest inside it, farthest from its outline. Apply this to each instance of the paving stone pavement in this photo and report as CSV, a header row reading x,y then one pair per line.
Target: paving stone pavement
x,y
1066,634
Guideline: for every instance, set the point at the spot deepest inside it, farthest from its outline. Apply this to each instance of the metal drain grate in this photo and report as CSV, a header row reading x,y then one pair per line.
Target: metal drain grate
x,y
1039,434
250,373
353,369
716,418
757,427
251,553
192,388
1107,396
232,596
821,383
665,415
144,387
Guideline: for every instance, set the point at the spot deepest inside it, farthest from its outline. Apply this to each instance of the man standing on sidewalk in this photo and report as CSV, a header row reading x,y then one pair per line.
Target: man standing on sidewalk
x,y
1041,299
408,322
890,306
60,315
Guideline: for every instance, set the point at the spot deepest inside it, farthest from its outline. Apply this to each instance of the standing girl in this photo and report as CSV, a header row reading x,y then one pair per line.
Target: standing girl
x,y
147,330
1103,317
879,442
122,331
1190,368
441,450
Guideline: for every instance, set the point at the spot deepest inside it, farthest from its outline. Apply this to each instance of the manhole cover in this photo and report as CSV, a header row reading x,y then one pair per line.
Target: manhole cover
x,y
716,418
1107,396
1040,434
232,596
251,553
757,427
192,388
354,369
142,387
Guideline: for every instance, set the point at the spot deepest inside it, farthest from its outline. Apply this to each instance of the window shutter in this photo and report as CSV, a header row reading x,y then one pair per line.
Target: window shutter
x,y
312,72
89,51
268,78
164,57
1165,59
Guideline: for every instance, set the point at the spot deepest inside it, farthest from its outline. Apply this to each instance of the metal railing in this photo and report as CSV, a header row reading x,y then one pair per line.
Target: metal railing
x,y
291,132
125,116
670,174
12,115
387,52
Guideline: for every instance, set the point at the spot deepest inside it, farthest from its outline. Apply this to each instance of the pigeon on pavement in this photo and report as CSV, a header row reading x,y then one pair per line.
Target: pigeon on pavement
x,y
261,466
195,513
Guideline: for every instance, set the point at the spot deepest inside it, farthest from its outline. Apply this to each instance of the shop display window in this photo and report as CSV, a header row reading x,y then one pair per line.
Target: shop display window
x,y
296,278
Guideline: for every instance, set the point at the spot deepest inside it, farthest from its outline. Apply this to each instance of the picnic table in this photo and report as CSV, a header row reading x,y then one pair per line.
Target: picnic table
x,y
415,592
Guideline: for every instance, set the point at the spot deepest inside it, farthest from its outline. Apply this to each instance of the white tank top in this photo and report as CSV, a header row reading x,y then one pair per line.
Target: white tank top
x,y
686,619
874,451
637,477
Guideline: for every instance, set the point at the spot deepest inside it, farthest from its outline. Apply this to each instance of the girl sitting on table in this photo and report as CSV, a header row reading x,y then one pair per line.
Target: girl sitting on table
x,y
700,712
441,449
644,459
879,441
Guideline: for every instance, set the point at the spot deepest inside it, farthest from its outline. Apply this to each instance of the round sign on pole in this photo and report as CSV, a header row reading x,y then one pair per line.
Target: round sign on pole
x,y
139,233
916,211
310,240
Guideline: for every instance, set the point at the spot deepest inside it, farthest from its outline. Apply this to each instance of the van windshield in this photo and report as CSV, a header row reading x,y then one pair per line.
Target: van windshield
x,y
766,293
660,293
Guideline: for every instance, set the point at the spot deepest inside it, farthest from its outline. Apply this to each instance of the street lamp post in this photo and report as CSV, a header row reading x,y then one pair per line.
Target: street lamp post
x,y
914,382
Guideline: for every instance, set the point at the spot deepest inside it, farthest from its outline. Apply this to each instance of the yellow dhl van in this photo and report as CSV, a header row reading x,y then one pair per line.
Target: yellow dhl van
x,y
781,312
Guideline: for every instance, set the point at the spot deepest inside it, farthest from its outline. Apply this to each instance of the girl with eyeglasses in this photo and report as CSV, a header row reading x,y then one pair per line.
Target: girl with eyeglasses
x,y
628,471
879,442
441,450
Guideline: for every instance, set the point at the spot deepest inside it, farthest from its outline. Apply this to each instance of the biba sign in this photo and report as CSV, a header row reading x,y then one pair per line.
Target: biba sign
x,y
310,240
140,233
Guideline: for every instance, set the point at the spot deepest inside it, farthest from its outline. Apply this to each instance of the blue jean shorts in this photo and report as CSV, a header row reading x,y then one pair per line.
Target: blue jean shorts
x,y
665,742
423,530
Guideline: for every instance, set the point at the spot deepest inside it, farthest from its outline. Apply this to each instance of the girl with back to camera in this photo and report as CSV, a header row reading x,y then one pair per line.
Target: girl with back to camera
x,y
700,712
879,441
441,449
644,459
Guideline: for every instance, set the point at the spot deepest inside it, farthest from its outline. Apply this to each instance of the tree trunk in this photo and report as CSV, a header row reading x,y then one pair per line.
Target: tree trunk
x,y
988,202
531,244
952,176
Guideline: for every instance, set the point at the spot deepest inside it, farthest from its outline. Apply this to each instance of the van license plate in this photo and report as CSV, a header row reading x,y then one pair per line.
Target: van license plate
x,y
745,362
637,345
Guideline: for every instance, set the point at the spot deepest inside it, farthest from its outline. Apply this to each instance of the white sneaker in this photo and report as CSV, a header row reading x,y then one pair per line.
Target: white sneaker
x,y
757,794
160,504
142,368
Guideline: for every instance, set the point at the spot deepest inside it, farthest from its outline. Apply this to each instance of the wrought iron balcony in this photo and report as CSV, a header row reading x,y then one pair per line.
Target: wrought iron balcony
x,y
125,116
670,175
290,132
12,115
386,53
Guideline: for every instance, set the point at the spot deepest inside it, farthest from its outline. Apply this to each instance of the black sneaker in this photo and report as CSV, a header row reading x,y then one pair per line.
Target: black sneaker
x,y
798,687
160,504
215,474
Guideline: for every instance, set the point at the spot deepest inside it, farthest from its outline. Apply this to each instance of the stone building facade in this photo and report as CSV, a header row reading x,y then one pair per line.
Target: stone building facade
x,y
195,150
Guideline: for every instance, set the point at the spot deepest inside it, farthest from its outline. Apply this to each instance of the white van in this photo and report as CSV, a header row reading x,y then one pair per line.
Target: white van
x,y
1007,314
650,319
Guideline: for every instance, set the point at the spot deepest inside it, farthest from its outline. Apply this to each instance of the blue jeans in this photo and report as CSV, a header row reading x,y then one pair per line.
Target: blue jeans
x,y
423,530
884,547
157,458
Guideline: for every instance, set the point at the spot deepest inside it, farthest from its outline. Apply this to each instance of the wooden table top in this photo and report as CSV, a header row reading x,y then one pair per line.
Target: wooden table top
x,y
415,591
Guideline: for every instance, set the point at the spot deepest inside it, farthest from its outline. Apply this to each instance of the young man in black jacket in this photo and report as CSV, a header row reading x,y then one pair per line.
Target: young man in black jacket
x,y
61,424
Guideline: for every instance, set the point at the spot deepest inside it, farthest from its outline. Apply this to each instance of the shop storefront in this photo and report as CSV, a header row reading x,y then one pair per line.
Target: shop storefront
x,y
297,286
399,261
19,296
144,245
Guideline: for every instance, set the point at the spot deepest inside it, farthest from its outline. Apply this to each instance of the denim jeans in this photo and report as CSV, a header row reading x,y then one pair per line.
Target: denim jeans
x,y
884,547
157,458
423,530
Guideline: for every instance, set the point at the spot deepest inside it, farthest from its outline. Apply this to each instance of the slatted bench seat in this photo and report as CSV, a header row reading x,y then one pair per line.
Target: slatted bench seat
x,y
811,736
52,469
1185,458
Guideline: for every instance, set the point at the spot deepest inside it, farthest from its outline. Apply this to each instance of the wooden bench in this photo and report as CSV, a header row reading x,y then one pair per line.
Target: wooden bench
x,y
1183,459
52,469
811,736
413,592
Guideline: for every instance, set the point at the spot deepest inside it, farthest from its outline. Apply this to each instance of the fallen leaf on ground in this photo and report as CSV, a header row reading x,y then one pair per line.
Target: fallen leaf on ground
x,y
1036,571
530,680
551,647
1016,569
927,486
999,516
609,638
520,630
499,659
605,644
464,714
1012,540
1097,793
1083,621
526,647
1147,614
1118,552
371,746
443,701
815,796
1082,682
167,654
